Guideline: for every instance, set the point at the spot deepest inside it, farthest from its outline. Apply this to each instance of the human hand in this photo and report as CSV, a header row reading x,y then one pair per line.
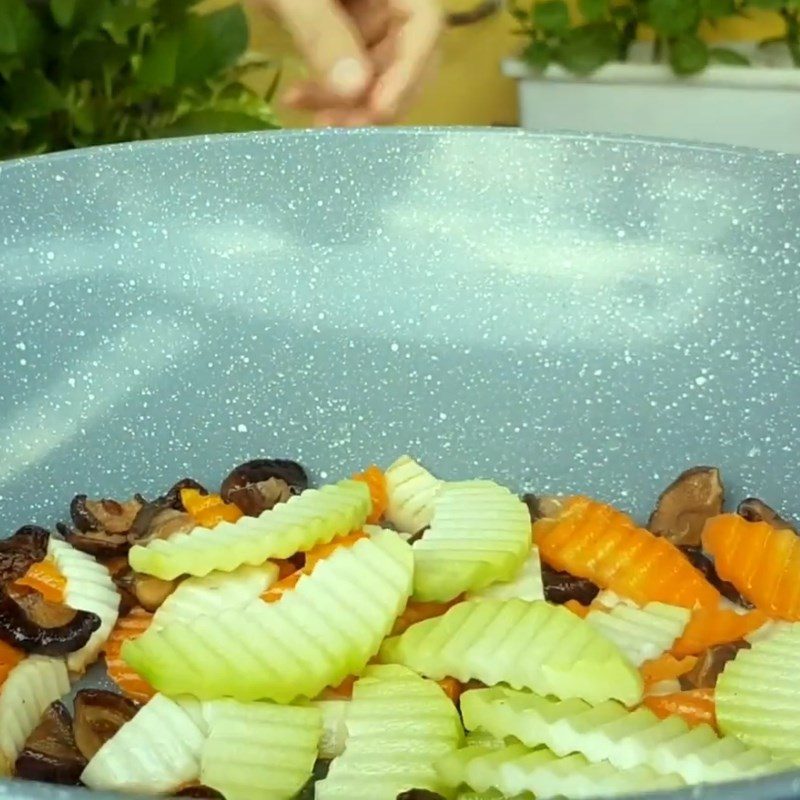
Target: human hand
x,y
369,57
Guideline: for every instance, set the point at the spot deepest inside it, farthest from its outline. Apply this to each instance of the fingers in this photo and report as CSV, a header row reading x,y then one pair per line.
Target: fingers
x,y
372,18
329,40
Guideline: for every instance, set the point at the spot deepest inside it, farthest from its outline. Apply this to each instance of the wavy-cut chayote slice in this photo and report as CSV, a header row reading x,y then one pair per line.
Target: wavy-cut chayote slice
x,y
757,695
156,752
314,517
410,491
527,584
214,593
398,725
531,645
641,633
609,732
480,534
89,588
323,630
514,769
259,751
31,686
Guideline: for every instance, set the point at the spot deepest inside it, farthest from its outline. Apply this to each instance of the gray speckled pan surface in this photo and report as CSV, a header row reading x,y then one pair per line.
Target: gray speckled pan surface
x,y
559,313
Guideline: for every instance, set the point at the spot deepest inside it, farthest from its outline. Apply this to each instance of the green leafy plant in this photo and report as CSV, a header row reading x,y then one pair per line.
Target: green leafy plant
x,y
604,31
83,72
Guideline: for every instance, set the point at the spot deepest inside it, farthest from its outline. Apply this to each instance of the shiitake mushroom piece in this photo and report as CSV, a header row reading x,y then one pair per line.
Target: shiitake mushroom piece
x,y
704,564
559,587
755,510
20,551
262,483
33,624
99,714
200,791
96,543
50,753
110,516
683,508
173,497
419,794
710,664
158,520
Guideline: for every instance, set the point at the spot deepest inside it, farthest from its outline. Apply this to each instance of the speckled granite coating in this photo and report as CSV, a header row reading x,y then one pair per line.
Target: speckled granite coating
x,y
556,313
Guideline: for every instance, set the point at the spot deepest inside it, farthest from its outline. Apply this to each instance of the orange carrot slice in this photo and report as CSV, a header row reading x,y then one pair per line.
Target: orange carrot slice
x,y
576,607
277,590
9,658
666,668
374,478
45,578
129,682
712,626
452,688
761,562
595,541
695,706
417,612
209,510
345,688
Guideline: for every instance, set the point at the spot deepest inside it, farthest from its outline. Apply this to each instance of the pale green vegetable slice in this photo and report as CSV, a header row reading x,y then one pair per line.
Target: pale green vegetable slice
x,y
156,752
514,769
398,725
259,751
410,491
609,732
325,629
531,645
89,587
641,633
757,694
480,534
314,517
214,593
526,584
31,686
491,794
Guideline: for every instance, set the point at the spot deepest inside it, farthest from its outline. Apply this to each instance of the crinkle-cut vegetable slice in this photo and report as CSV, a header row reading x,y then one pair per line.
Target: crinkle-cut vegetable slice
x,y
526,584
531,645
480,534
334,726
216,592
641,633
156,752
313,517
398,725
709,627
45,578
665,668
376,480
761,562
757,698
769,629
89,588
491,794
694,707
259,751
327,628
514,768
607,731
410,491
595,541
31,686
129,682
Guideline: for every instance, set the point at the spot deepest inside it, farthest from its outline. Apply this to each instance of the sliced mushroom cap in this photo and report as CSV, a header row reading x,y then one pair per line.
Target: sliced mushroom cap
x,y
419,794
710,664
98,716
106,515
173,497
19,552
152,592
559,587
261,470
702,562
686,504
96,543
755,510
159,520
198,790
257,498
544,506
123,576
50,753
31,623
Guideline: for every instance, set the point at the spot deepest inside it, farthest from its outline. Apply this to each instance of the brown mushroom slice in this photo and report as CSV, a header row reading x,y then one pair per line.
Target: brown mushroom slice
x,y
559,587
98,716
693,497
704,564
275,480
755,510
200,791
173,497
33,624
710,664
96,543
106,515
158,520
257,498
544,506
123,576
19,552
152,592
50,753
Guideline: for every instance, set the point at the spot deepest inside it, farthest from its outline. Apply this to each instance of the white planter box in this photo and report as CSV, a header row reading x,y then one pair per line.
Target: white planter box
x,y
755,106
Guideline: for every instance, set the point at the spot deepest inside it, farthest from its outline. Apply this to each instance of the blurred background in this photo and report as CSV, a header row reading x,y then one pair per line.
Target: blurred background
x,y
83,72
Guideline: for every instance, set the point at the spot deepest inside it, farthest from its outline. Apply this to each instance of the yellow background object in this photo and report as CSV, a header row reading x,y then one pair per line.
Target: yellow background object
x,y
469,88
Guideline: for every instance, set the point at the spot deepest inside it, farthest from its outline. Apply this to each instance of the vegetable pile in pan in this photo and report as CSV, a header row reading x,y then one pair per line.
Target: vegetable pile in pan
x,y
395,635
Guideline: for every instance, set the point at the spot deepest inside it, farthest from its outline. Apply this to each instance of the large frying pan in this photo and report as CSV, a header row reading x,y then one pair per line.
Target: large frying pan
x,y
559,313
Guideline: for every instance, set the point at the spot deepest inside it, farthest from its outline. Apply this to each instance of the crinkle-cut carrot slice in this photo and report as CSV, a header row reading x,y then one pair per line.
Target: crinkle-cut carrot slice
x,y
712,626
374,478
595,541
666,668
276,591
452,688
761,562
208,510
576,607
9,658
45,578
129,682
416,612
695,706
